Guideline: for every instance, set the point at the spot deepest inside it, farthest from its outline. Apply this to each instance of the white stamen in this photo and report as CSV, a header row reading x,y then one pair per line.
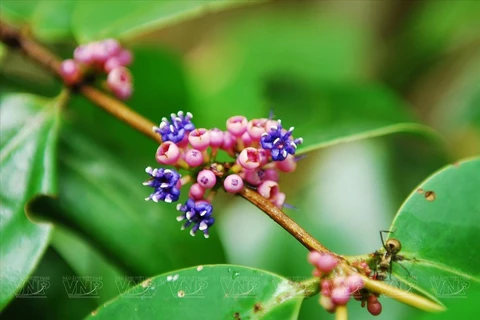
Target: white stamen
x,y
192,233
203,226
276,141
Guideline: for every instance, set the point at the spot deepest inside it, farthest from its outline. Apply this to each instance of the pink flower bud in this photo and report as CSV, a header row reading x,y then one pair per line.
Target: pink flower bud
x,y
237,125
199,139
216,138
111,46
70,72
196,191
99,52
228,141
279,200
354,282
249,158
206,178
111,64
271,174
168,153
268,189
246,139
326,287
325,262
83,54
254,177
194,157
233,183
256,128
119,81
287,165
340,295
124,57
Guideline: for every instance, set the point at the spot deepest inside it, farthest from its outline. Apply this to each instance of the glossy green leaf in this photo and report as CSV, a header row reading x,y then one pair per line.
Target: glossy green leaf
x,y
103,200
438,226
28,139
209,292
123,19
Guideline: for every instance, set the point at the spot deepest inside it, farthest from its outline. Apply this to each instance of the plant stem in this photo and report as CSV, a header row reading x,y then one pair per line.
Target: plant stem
x,y
285,221
16,39
402,295
121,112
341,313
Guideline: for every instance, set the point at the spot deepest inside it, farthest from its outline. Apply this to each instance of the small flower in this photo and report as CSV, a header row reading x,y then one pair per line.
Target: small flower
x,y
119,81
324,262
279,142
198,214
168,153
199,139
216,138
175,130
196,191
165,184
206,178
250,158
237,125
194,158
340,295
70,71
233,183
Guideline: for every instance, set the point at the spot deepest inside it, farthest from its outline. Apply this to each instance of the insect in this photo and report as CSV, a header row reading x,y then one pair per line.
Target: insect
x,y
384,260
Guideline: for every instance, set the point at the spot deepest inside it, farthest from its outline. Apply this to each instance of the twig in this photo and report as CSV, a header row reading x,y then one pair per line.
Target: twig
x,y
403,296
341,313
16,39
285,221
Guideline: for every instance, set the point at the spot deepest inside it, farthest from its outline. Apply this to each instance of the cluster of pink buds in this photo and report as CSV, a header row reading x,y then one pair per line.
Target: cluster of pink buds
x,y
106,56
336,288
259,149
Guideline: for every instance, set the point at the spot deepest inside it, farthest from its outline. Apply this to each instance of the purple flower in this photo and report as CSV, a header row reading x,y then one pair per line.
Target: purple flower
x,y
164,182
198,214
175,130
279,142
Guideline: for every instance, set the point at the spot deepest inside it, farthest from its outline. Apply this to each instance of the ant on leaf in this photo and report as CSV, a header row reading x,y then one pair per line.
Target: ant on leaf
x,y
383,261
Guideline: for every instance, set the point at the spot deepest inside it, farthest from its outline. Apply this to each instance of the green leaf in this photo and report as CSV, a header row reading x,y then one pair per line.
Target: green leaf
x,y
48,20
103,201
123,19
438,226
349,113
28,139
209,292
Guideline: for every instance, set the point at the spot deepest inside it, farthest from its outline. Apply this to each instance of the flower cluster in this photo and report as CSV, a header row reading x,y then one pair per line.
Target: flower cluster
x,y
336,287
259,149
101,56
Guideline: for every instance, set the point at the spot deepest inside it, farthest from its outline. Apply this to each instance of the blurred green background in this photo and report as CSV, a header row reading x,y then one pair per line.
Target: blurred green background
x,y
330,66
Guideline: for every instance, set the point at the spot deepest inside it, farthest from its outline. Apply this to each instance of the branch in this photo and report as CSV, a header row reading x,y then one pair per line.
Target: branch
x,y
14,38
285,222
